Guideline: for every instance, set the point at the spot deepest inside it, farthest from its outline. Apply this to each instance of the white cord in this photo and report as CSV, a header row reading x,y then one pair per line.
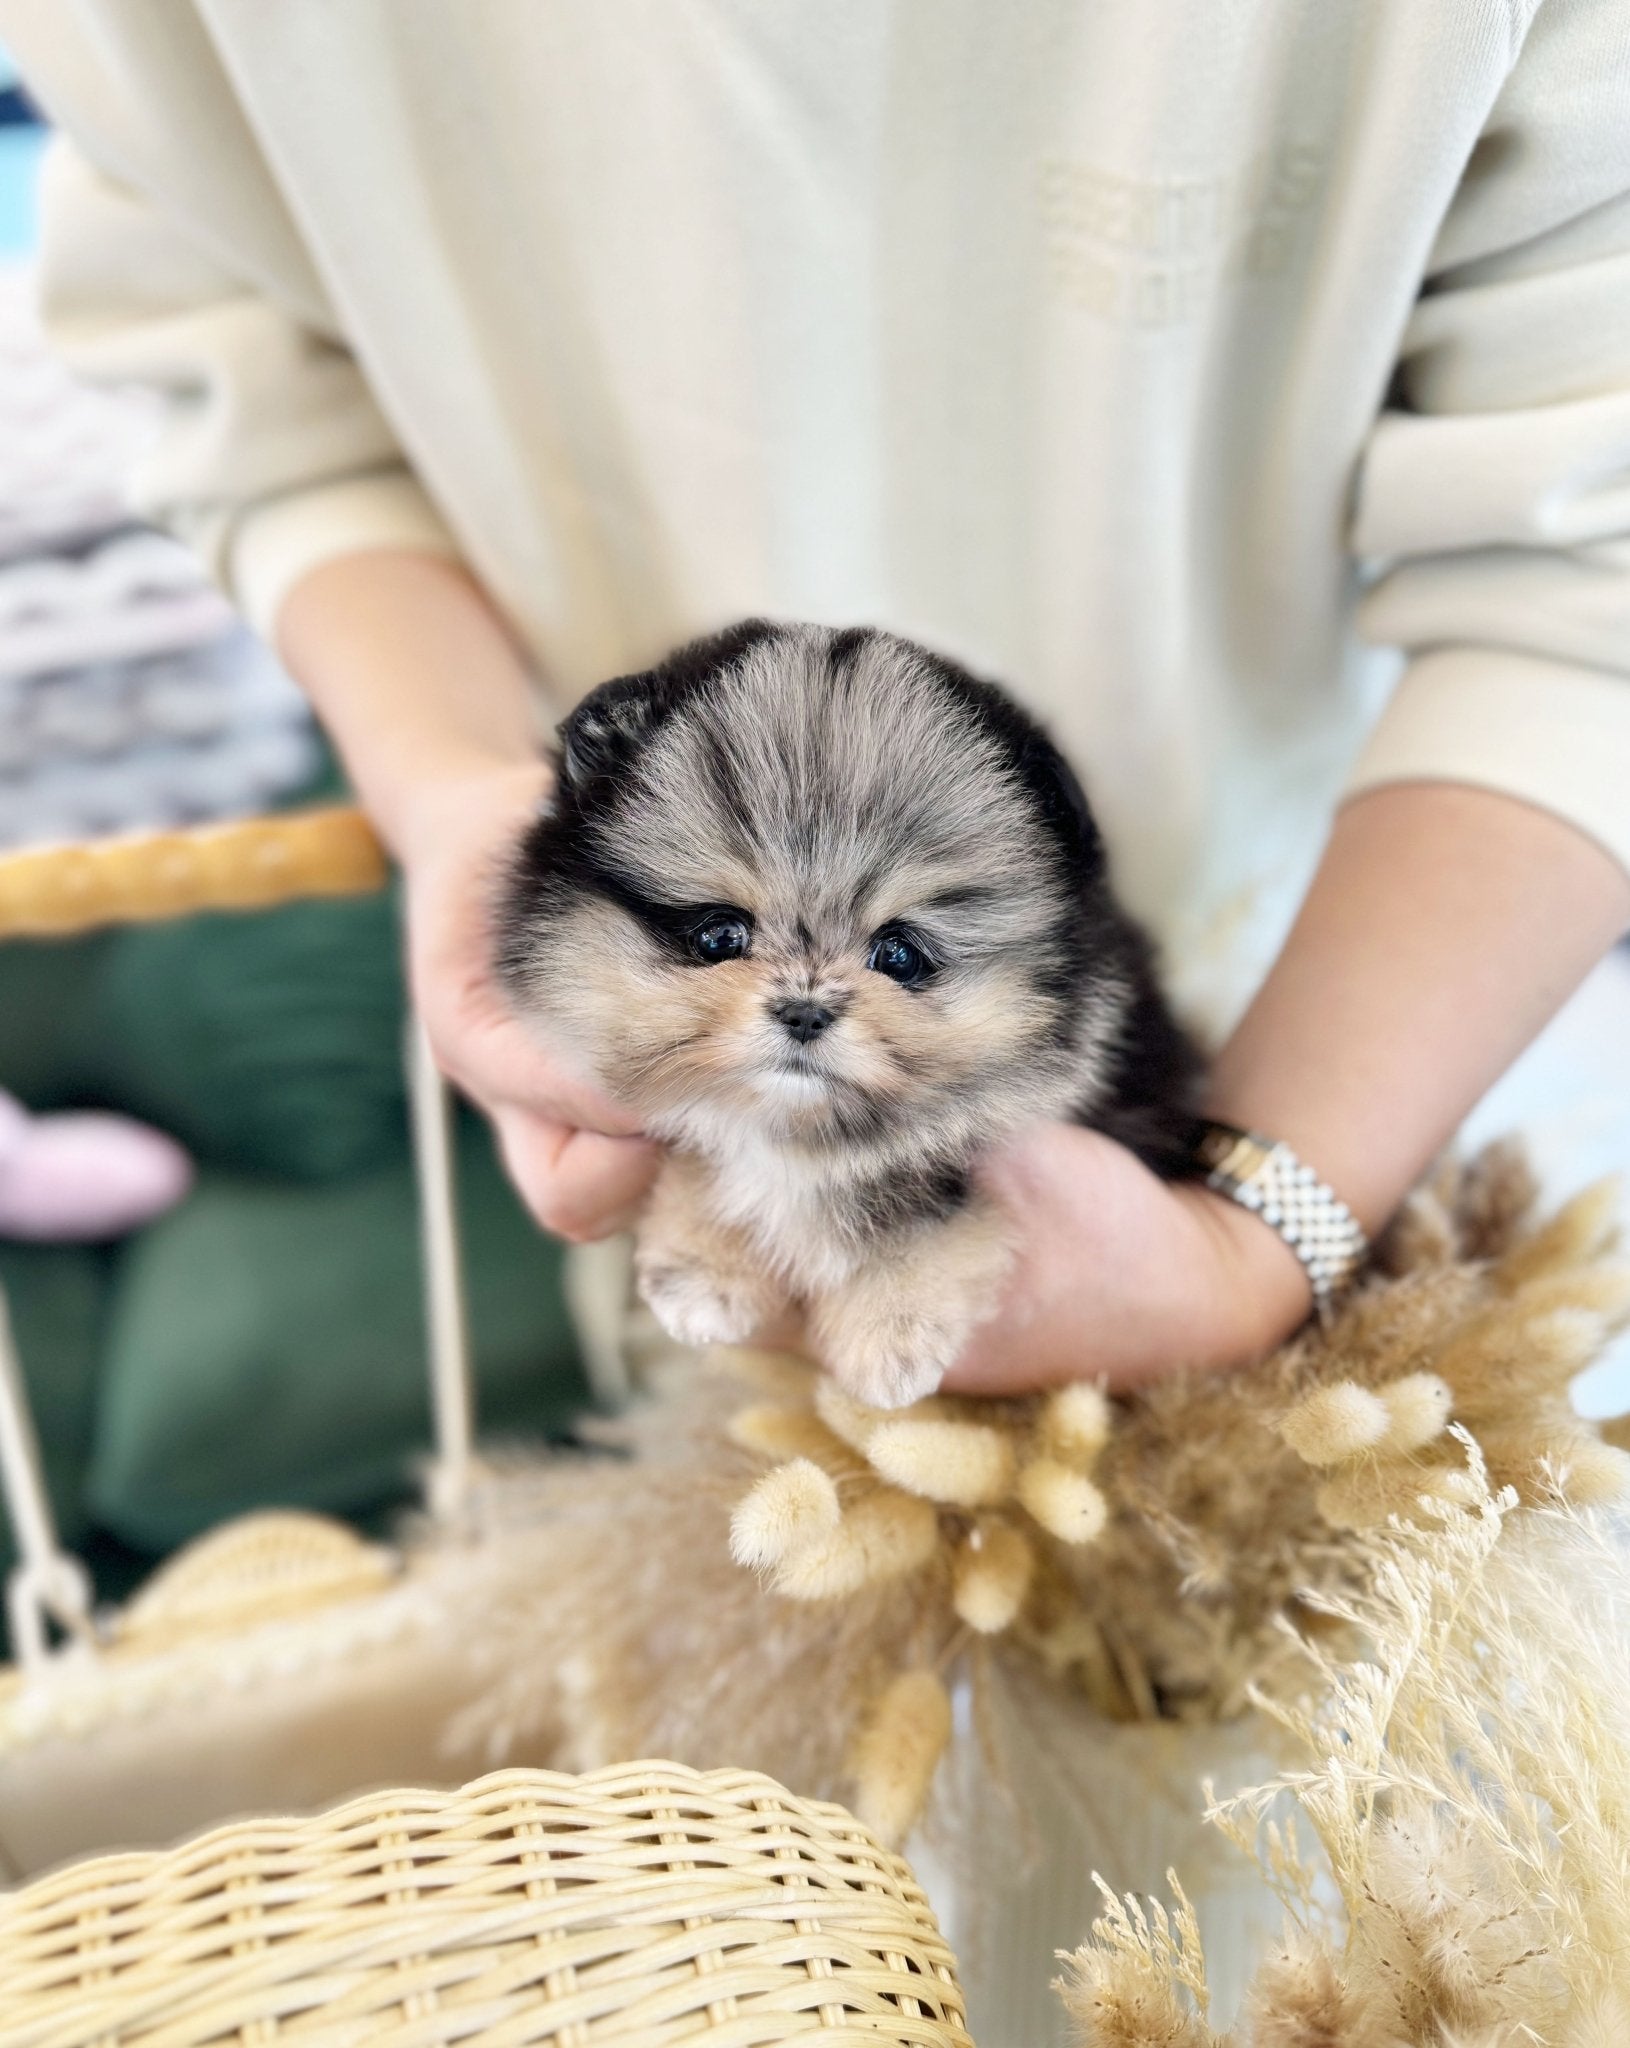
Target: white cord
x,y
452,1393
48,1584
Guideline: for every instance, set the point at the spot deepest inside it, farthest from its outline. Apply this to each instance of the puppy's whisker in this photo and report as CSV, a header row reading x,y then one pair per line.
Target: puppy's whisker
x,y
647,1059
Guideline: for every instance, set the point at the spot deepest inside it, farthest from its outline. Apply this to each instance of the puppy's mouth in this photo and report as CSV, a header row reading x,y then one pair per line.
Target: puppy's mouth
x,y
799,1059
796,1073
795,1076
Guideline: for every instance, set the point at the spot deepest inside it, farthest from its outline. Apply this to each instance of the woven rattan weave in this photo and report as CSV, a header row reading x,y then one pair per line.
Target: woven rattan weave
x,y
645,1904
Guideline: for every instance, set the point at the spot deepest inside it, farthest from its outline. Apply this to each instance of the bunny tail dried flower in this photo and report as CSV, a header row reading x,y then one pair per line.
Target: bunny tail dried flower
x,y
897,1753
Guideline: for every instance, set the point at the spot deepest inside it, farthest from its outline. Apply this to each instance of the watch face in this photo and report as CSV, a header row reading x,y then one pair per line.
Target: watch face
x,y
1229,1152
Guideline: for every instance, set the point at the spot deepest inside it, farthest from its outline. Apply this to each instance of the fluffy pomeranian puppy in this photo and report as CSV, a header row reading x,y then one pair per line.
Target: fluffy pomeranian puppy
x,y
831,916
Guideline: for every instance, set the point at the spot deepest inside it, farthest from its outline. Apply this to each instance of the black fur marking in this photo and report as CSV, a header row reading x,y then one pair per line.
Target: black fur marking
x,y
967,897
731,806
1042,771
599,744
671,924
844,650
928,1193
866,885
1153,1092
612,723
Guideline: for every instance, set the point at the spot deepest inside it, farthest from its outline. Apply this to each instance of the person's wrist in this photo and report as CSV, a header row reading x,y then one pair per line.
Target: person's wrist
x,y
1261,1291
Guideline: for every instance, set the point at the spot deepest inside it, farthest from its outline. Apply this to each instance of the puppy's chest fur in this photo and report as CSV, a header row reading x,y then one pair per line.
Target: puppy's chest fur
x,y
815,1219
785,1208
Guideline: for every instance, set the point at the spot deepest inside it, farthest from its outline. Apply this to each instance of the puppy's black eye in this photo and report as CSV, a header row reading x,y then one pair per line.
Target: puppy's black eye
x,y
894,954
724,937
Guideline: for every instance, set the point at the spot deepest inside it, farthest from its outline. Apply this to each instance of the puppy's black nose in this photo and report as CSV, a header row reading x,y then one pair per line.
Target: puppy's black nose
x,y
803,1019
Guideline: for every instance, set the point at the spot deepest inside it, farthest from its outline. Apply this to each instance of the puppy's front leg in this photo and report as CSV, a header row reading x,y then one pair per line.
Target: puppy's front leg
x,y
898,1324
703,1280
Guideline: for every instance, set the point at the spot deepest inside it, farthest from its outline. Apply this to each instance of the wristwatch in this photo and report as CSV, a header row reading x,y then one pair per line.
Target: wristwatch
x,y
1267,1178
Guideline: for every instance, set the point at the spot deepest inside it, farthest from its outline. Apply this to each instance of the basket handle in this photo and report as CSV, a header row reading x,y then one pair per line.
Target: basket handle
x,y
51,891
249,864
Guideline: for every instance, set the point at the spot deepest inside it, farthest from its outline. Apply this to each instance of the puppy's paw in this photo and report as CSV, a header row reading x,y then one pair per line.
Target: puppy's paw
x,y
894,1362
895,1329
888,1379
700,1307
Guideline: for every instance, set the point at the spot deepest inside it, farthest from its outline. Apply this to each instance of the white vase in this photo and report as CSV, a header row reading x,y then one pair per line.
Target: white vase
x,y
1045,1793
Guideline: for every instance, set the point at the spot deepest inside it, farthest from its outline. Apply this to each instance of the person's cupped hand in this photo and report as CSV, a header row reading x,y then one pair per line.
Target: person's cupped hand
x,y
577,1160
1122,1277
1118,1276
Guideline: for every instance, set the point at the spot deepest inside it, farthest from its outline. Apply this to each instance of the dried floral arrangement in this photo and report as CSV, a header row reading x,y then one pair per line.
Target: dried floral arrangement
x,y
1466,1783
1148,1551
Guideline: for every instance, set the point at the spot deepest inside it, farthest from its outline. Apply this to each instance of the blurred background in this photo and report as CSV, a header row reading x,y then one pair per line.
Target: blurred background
x,y
208,1234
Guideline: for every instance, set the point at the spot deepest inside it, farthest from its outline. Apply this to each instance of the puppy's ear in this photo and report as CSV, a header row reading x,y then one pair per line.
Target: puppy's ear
x,y
1048,778
612,723
608,728
1063,802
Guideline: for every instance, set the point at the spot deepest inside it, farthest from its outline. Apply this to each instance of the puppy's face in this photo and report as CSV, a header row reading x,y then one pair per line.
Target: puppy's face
x,y
822,883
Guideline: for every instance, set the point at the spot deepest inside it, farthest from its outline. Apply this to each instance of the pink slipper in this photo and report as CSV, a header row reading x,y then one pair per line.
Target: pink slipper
x,y
81,1176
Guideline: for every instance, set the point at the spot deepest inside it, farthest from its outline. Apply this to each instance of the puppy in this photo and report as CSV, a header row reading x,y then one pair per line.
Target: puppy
x,y
831,916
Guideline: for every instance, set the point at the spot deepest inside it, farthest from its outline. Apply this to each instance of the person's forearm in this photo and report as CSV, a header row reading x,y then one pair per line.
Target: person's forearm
x,y
413,675
1445,926
417,681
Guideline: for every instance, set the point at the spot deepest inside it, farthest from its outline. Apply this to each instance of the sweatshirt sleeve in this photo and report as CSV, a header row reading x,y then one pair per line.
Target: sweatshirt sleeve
x,y
169,260
1493,501
270,456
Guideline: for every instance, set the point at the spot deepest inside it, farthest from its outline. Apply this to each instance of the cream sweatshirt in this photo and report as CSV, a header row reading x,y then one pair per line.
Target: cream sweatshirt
x,y
1150,355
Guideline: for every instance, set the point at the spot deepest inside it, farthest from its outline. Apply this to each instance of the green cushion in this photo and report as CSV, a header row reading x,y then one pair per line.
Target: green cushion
x,y
267,1345
49,1016
267,1042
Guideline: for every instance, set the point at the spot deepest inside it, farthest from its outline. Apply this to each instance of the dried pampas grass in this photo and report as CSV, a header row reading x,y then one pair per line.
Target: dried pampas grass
x,y
615,1622
1467,1783
1147,1553
1142,1984
1235,1497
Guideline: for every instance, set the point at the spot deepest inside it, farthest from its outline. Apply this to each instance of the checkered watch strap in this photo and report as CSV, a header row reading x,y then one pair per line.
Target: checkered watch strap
x,y
1268,1179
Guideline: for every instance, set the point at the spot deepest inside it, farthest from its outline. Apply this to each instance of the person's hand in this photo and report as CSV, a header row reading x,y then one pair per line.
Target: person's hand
x,y
576,1158
1121,1276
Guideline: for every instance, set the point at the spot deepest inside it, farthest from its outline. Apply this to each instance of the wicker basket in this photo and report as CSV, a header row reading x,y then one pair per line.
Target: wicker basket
x,y
644,1904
